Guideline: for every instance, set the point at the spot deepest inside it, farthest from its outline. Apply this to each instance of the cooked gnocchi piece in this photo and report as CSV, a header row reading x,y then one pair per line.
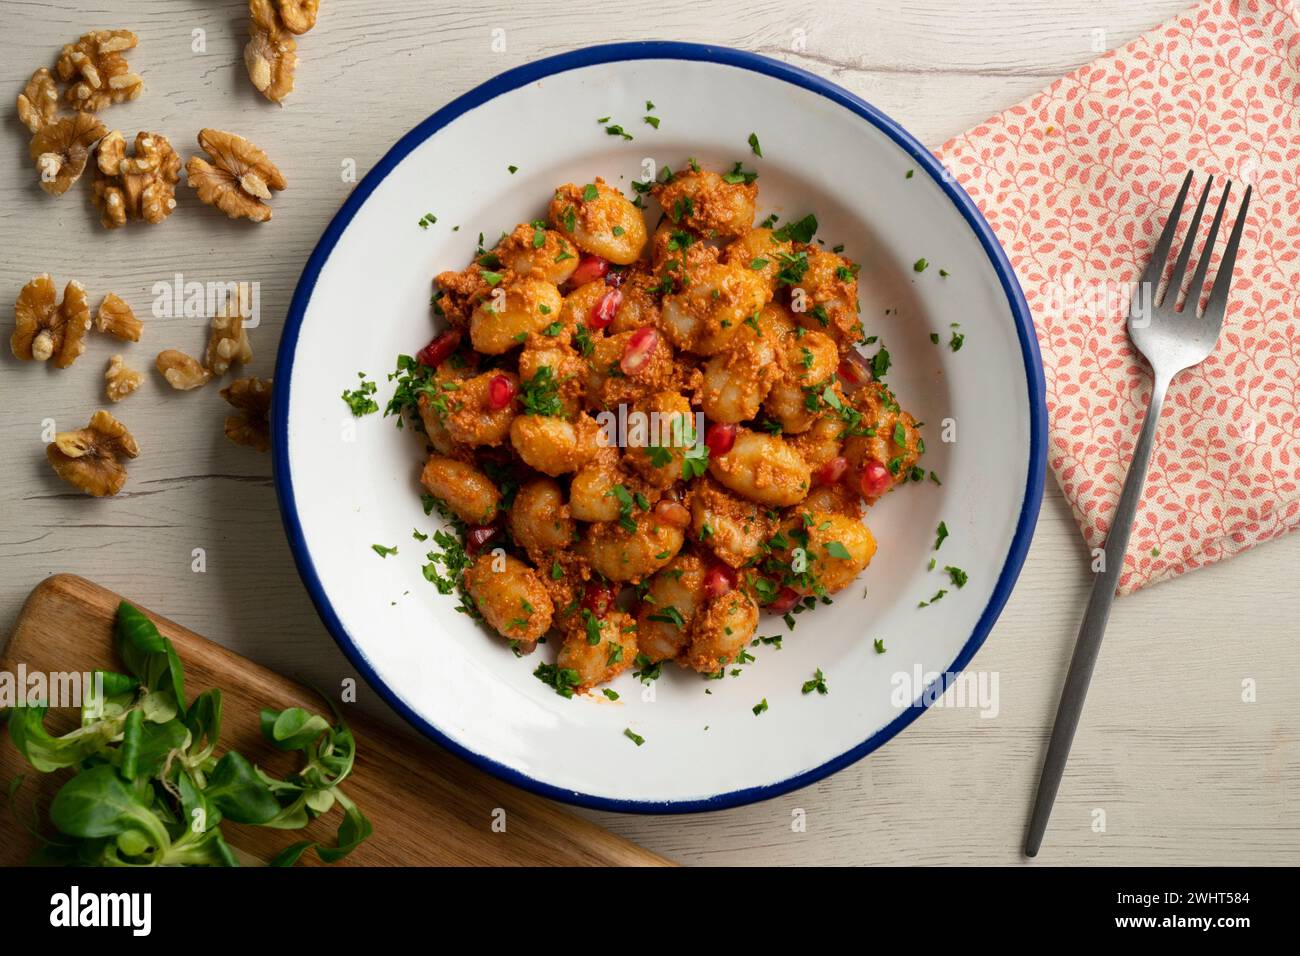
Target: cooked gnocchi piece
x,y
645,441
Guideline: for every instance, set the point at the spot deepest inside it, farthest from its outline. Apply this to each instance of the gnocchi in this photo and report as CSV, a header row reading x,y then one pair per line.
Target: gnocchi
x,y
646,441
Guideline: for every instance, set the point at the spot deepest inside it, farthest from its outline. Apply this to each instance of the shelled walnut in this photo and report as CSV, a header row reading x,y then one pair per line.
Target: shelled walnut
x,y
271,55
61,147
97,71
298,16
228,342
120,380
181,371
38,103
46,329
116,318
239,177
250,425
90,458
140,186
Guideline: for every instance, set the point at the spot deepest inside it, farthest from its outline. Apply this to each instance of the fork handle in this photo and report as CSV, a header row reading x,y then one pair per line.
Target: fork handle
x,y
1094,622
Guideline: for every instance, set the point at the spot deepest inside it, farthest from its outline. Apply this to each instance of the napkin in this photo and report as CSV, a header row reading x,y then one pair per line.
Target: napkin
x,y
1077,182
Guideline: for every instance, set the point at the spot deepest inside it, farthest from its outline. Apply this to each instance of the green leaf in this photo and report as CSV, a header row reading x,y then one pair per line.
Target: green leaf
x,y
292,853
353,831
47,753
148,655
99,803
292,729
239,793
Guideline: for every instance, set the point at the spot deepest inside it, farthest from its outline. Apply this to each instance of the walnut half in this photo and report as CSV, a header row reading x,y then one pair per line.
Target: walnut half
x,y
97,71
181,371
116,318
120,380
90,458
140,186
38,103
46,329
271,55
239,178
228,342
250,425
298,16
60,149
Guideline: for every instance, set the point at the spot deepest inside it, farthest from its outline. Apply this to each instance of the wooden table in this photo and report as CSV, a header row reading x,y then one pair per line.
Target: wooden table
x,y
1181,768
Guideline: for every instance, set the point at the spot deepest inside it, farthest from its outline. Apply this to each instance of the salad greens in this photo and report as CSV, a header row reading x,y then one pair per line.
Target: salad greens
x,y
148,788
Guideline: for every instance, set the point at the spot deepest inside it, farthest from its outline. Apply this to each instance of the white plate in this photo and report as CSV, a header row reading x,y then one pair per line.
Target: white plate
x,y
364,298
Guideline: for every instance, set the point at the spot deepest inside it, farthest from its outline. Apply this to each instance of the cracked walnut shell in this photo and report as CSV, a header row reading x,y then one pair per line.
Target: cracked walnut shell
x,y
97,71
90,458
298,16
250,426
45,329
181,371
271,55
61,148
120,380
116,318
239,178
38,103
139,186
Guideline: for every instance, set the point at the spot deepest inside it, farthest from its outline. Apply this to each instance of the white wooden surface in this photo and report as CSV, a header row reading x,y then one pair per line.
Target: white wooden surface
x,y
1178,766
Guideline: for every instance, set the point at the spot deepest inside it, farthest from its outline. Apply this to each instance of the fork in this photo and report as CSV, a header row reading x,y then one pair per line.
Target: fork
x,y
1170,341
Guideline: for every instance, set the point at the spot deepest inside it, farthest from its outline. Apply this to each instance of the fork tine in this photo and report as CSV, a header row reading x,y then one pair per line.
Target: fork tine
x,y
1218,302
1198,278
1156,267
1180,268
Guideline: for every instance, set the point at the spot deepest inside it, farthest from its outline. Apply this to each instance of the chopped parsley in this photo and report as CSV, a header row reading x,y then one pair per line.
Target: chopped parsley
x,y
837,550
920,265
360,399
541,394
382,551
818,683
427,220
561,679
512,169
611,694
452,559
760,707
957,576
940,532
753,145
801,230
669,615
879,645
633,736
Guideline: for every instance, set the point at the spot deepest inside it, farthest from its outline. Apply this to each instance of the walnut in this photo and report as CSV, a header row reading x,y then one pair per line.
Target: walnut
x,y
239,178
228,342
250,426
139,186
97,71
181,371
116,318
38,103
298,16
119,380
45,330
271,55
90,458
61,148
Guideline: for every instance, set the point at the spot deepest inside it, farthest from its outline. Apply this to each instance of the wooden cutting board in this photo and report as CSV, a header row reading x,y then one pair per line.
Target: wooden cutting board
x,y
428,807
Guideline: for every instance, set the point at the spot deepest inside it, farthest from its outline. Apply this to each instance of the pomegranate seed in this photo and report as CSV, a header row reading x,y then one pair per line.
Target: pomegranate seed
x,y
478,535
875,479
831,471
640,345
602,313
437,351
598,599
854,370
501,392
720,438
589,269
718,580
785,599
672,513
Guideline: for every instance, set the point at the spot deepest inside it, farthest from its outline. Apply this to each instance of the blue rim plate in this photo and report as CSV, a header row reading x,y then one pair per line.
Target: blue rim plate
x,y
614,53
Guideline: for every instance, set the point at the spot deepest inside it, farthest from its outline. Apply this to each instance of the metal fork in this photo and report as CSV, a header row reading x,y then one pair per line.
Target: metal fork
x,y
1170,341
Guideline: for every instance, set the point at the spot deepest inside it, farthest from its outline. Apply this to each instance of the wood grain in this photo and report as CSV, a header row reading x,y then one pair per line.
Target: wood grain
x,y
1187,772
428,808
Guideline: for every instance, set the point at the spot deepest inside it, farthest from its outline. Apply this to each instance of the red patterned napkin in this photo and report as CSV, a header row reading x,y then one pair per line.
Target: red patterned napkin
x,y
1076,182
